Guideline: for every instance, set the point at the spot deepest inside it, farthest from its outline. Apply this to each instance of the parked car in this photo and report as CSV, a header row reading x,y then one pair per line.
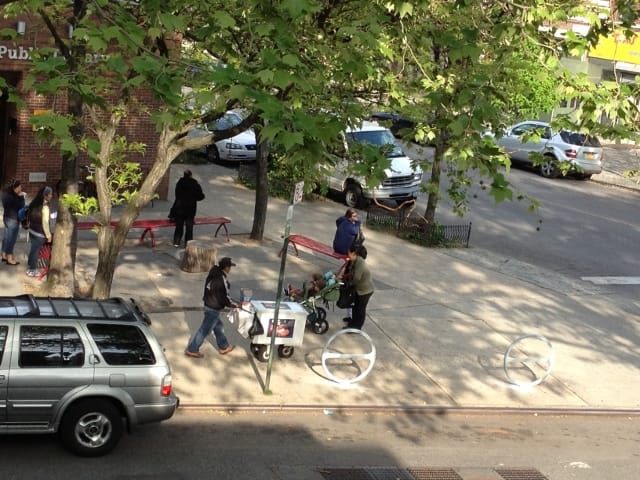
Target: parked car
x,y
403,179
239,148
583,152
86,369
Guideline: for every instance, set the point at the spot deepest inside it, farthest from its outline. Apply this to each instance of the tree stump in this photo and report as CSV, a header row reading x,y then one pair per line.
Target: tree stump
x,y
199,256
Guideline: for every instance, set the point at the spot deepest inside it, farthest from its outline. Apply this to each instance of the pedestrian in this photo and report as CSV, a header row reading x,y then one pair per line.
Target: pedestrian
x,y
358,275
188,193
216,298
12,202
39,227
348,232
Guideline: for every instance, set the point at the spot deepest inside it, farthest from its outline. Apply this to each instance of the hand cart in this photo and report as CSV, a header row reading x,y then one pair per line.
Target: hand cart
x,y
292,318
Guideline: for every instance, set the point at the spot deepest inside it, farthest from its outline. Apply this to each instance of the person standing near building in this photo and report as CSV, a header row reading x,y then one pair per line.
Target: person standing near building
x,y
216,298
188,193
12,202
359,277
39,227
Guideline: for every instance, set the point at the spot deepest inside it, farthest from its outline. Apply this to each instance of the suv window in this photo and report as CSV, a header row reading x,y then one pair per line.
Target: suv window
x,y
581,139
50,346
3,339
122,344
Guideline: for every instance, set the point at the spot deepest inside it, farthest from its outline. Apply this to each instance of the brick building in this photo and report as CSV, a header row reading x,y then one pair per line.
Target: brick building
x,y
21,157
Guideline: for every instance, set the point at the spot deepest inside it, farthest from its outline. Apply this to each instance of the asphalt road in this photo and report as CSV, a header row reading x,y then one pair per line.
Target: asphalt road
x,y
581,228
300,445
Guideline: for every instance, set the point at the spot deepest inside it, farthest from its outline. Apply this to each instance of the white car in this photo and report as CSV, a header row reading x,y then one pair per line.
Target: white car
x,y
583,152
239,148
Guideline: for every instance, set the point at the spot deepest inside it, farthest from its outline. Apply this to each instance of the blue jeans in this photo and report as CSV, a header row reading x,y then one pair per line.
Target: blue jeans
x,y
34,251
211,321
11,230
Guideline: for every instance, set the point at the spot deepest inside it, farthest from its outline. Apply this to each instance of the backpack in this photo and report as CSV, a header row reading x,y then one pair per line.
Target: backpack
x,y
23,216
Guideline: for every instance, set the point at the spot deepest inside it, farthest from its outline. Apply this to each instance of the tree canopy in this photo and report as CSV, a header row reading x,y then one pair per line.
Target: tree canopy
x,y
303,70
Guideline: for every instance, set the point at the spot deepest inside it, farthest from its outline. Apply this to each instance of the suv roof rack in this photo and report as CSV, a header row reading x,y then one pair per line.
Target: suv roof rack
x,y
50,307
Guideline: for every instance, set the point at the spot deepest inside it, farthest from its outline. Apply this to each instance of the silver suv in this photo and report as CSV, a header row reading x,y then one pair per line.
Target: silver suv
x,y
582,152
86,369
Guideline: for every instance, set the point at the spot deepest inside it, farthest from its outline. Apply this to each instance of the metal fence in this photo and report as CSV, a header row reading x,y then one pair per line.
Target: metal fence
x,y
414,228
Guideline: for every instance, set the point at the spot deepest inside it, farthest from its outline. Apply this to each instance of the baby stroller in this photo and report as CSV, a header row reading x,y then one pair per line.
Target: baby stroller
x,y
311,301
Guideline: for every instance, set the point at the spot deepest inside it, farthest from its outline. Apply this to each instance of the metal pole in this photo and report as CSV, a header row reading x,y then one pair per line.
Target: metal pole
x,y
283,263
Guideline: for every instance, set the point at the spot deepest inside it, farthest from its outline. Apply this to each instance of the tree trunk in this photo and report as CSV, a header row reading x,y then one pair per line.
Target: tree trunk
x,y
109,245
110,241
262,190
61,277
434,185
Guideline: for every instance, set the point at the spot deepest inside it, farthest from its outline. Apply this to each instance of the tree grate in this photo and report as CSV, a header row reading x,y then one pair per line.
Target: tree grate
x,y
520,474
434,474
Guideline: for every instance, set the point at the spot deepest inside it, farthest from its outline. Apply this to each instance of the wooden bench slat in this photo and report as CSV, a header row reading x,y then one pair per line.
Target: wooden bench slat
x,y
150,224
296,240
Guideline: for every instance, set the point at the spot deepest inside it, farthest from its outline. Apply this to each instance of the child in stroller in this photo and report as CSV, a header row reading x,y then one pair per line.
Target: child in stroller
x,y
322,288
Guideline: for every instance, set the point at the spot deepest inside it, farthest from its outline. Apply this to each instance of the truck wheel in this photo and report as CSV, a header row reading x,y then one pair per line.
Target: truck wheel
x,y
91,427
213,155
353,196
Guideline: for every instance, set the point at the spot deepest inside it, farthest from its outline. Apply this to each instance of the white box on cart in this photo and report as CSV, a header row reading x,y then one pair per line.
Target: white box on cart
x,y
292,318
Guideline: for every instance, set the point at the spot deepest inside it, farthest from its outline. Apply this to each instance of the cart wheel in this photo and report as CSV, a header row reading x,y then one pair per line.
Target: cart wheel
x,y
254,348
285,351
320,327
321,313
261,353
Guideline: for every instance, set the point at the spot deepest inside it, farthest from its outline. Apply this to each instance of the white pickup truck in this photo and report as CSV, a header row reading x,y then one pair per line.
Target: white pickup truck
x,y
403,179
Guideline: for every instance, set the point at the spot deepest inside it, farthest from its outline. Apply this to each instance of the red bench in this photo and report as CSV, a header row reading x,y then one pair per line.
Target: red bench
x,y
296,241
152,224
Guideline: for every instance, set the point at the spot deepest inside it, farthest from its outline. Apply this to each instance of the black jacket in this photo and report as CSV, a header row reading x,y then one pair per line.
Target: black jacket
x,y
11,203
216,289
188,194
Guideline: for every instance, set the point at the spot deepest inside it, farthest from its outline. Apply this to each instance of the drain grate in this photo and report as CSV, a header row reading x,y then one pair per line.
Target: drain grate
x,y
366,473
344,474
420,473
389,473
434,474
520,474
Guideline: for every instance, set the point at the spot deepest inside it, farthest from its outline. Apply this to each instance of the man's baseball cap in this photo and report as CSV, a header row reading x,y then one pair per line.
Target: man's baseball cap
x,y
226,262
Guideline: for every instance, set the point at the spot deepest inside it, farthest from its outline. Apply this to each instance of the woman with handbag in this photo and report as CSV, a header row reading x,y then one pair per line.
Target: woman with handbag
x,y
359,278
348,232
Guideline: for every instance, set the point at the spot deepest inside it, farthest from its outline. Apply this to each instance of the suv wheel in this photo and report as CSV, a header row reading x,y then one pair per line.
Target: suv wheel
x,y
353,196
549,169
91,428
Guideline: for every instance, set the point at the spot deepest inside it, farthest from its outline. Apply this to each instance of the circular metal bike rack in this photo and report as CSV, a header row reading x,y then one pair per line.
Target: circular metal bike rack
x,y
328,355
545,362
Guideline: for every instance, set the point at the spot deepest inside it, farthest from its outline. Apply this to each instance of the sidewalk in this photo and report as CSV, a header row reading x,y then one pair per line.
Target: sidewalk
x,y
440,320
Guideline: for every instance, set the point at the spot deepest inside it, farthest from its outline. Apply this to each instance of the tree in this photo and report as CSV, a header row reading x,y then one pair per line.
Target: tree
x,y
131,43
303,71
471,65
